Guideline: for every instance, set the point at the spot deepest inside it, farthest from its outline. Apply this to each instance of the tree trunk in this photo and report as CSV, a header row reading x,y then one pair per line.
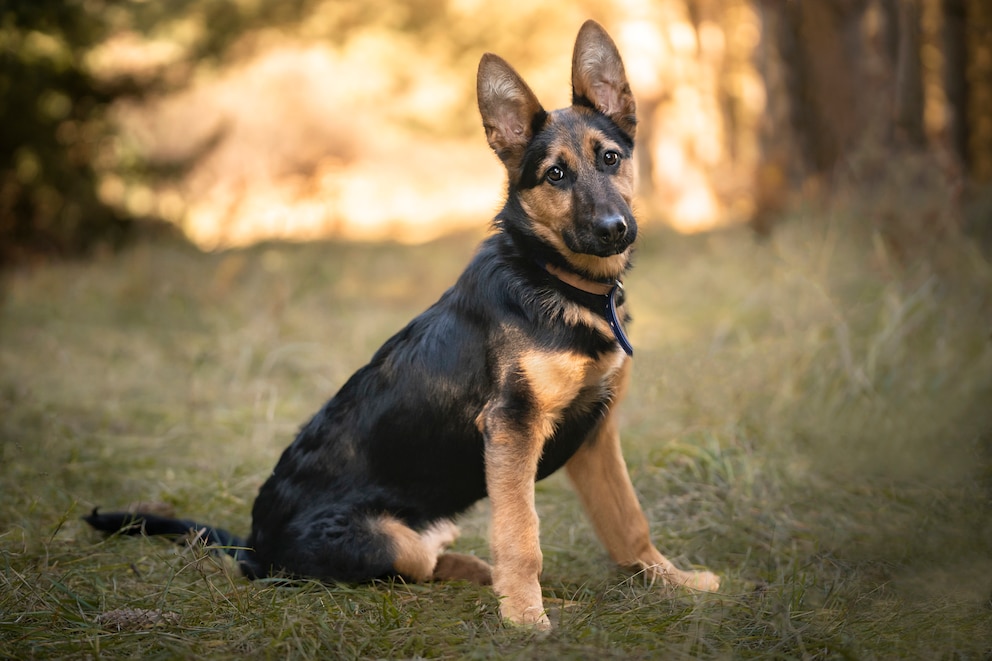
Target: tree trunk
x,y
979,72
955,49
908,111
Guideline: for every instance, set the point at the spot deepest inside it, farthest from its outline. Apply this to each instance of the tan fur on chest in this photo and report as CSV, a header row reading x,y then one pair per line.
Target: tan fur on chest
x,y
557,379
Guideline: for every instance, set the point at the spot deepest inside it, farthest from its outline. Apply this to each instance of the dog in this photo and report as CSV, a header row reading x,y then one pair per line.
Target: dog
x,y
516,371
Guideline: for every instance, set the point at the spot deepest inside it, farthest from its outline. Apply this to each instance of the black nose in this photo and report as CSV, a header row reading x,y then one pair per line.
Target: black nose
x,y
611,229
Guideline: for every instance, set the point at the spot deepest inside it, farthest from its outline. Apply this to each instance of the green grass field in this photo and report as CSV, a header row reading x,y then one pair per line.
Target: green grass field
x,y
808,420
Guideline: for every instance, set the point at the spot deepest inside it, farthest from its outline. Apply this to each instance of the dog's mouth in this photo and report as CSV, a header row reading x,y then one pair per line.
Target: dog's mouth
x,y
600,241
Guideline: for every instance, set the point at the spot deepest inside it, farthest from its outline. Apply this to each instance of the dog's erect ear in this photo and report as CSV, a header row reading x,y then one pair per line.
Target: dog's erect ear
x,y
598,78
510,111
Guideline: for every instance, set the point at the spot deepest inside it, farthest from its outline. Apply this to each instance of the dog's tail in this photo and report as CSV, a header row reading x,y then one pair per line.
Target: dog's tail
x,y
136,523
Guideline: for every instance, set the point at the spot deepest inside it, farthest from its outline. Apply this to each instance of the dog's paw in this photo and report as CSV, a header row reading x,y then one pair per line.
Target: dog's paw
x,y
531,617
462,567
669,575
702,580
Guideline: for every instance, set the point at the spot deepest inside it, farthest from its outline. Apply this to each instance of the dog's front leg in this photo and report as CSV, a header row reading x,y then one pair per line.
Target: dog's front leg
x,y
511,466
599,474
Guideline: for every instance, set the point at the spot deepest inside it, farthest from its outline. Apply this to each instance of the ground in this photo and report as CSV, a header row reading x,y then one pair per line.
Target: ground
x,y
808,418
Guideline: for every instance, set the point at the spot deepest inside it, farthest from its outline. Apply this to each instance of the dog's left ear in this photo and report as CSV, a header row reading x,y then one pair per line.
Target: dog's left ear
x,y
598,77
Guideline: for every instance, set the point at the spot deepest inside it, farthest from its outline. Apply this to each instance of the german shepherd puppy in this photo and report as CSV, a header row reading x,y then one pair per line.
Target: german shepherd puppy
x,y
515,372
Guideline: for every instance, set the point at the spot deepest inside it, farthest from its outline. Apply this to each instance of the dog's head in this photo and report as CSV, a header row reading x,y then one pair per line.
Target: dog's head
x,y
570,171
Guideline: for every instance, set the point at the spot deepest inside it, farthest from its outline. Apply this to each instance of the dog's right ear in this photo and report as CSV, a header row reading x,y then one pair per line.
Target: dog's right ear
x,y
510,111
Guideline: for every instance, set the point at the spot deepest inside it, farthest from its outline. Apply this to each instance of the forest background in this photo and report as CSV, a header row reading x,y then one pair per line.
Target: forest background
x,y
241,120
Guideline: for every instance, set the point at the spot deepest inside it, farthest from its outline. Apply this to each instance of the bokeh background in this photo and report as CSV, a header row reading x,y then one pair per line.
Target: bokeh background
x,y
235,121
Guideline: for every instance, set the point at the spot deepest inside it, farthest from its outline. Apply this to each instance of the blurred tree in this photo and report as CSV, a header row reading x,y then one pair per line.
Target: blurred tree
x,y
955,48
845,89
784,134
51,112
908,101
976,104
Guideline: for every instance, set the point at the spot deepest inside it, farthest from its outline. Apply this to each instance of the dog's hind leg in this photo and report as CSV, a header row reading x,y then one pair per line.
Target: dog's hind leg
x,y
421,556
415,554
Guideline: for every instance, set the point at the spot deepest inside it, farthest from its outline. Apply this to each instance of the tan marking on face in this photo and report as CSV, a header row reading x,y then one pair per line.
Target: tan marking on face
x,y
551,208
600,267
623,180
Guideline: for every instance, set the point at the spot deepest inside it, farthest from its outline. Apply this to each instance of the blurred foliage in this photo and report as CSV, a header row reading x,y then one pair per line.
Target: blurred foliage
x,y
55,106
289,113
52,112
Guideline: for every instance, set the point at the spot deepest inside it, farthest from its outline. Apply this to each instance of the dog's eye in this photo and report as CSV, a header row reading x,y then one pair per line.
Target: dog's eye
x,y
555,173
611,158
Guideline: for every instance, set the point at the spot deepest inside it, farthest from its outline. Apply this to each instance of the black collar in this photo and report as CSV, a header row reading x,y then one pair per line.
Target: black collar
x,y
606,297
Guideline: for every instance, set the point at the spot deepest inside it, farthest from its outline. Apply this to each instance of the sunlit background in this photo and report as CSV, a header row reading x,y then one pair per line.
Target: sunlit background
x,y
356,127
245,120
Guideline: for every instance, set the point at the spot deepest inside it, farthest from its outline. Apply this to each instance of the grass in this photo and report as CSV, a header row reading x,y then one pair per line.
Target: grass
x,y
806,419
